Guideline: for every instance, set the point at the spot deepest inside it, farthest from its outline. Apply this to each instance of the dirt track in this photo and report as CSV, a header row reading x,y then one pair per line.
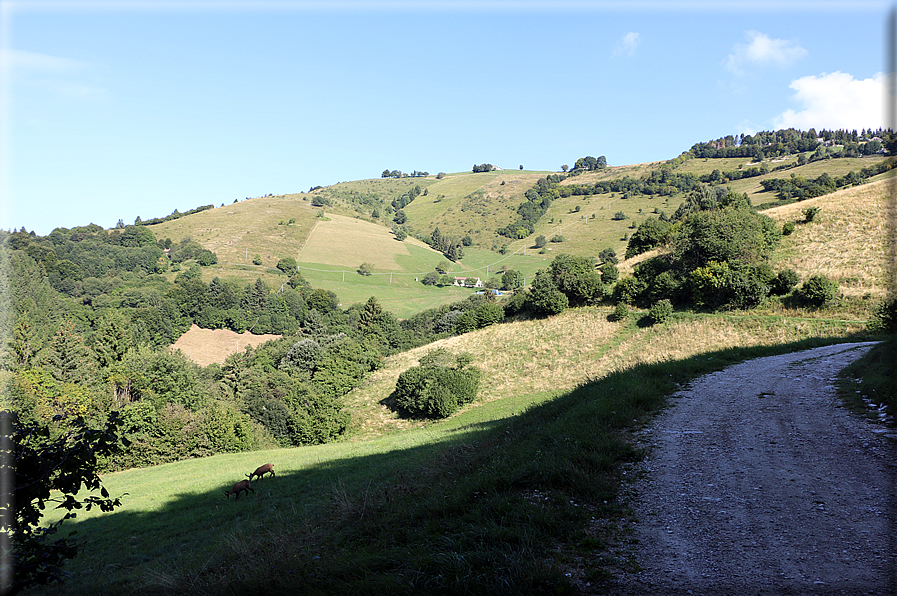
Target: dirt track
x,y
760,482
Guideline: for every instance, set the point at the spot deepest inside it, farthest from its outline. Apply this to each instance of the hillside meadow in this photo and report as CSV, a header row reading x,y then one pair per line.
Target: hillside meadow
x,y
848,241
332,241
496,498
301,530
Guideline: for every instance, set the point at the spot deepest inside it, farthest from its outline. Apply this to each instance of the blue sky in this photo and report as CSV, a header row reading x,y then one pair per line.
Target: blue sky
x,y
117,109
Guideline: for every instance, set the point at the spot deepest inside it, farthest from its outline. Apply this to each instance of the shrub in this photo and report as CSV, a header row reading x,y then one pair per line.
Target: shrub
x,y
817,291
437,388
446,323
489,313
650,234
609,273
724,235
810,213
747,288
669,285
544,297
515,303
660,311
287,264
466,322
884,318
628,290
621,312
784,282
788,228
608,255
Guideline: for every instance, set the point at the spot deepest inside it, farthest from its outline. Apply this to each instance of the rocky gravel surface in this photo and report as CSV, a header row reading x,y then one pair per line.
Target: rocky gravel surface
x,y
759,481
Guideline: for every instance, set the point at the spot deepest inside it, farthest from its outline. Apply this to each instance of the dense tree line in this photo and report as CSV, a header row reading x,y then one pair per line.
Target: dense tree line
x,y
406,198
538,199
800,188
400,174
787,141
451,248
589,163
483,167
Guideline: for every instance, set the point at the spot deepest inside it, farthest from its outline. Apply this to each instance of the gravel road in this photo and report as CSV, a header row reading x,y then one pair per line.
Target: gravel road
x,y
760,482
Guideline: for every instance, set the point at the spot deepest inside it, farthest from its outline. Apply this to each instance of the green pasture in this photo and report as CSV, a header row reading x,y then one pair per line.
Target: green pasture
x,y
401,291
397,292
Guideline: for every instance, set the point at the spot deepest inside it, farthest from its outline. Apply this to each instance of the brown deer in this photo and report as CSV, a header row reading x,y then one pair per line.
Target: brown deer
x,y
261,471
239,487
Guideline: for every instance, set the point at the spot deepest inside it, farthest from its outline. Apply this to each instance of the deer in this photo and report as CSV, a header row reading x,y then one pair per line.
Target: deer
x,y
239,487
261,471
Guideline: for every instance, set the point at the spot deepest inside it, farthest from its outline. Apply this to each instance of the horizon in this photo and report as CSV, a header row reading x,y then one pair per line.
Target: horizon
x,y
115,110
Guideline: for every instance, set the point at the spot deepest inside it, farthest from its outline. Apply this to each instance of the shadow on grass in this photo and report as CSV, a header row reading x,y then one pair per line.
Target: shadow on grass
x,y
493,507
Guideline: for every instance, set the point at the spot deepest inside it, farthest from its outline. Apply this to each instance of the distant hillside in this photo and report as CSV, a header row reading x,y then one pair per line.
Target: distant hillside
x,y
847,241
332,230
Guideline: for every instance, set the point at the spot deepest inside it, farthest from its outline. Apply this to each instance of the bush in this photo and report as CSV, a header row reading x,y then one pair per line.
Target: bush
x,y
437,388
660,311
446,323
466,322
784,282
810,213
287,264
621,312
515,303
747,288
817,291
628,290
788,228
544,297
609,273
884,318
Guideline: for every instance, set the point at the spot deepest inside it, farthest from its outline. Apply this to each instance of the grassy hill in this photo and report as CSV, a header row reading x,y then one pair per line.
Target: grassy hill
x,y
459,204
405,504
495,499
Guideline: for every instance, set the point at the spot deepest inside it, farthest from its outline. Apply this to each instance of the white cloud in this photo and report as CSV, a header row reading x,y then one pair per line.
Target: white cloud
x,y
836,100
53,74
762,50
628,44
21,61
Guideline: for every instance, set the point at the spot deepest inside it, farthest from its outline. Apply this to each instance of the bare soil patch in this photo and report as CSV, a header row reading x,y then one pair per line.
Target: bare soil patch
x,y
759,481
205,346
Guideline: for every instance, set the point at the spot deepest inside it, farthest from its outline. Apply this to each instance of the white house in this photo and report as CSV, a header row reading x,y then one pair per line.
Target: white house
x,y
468,282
